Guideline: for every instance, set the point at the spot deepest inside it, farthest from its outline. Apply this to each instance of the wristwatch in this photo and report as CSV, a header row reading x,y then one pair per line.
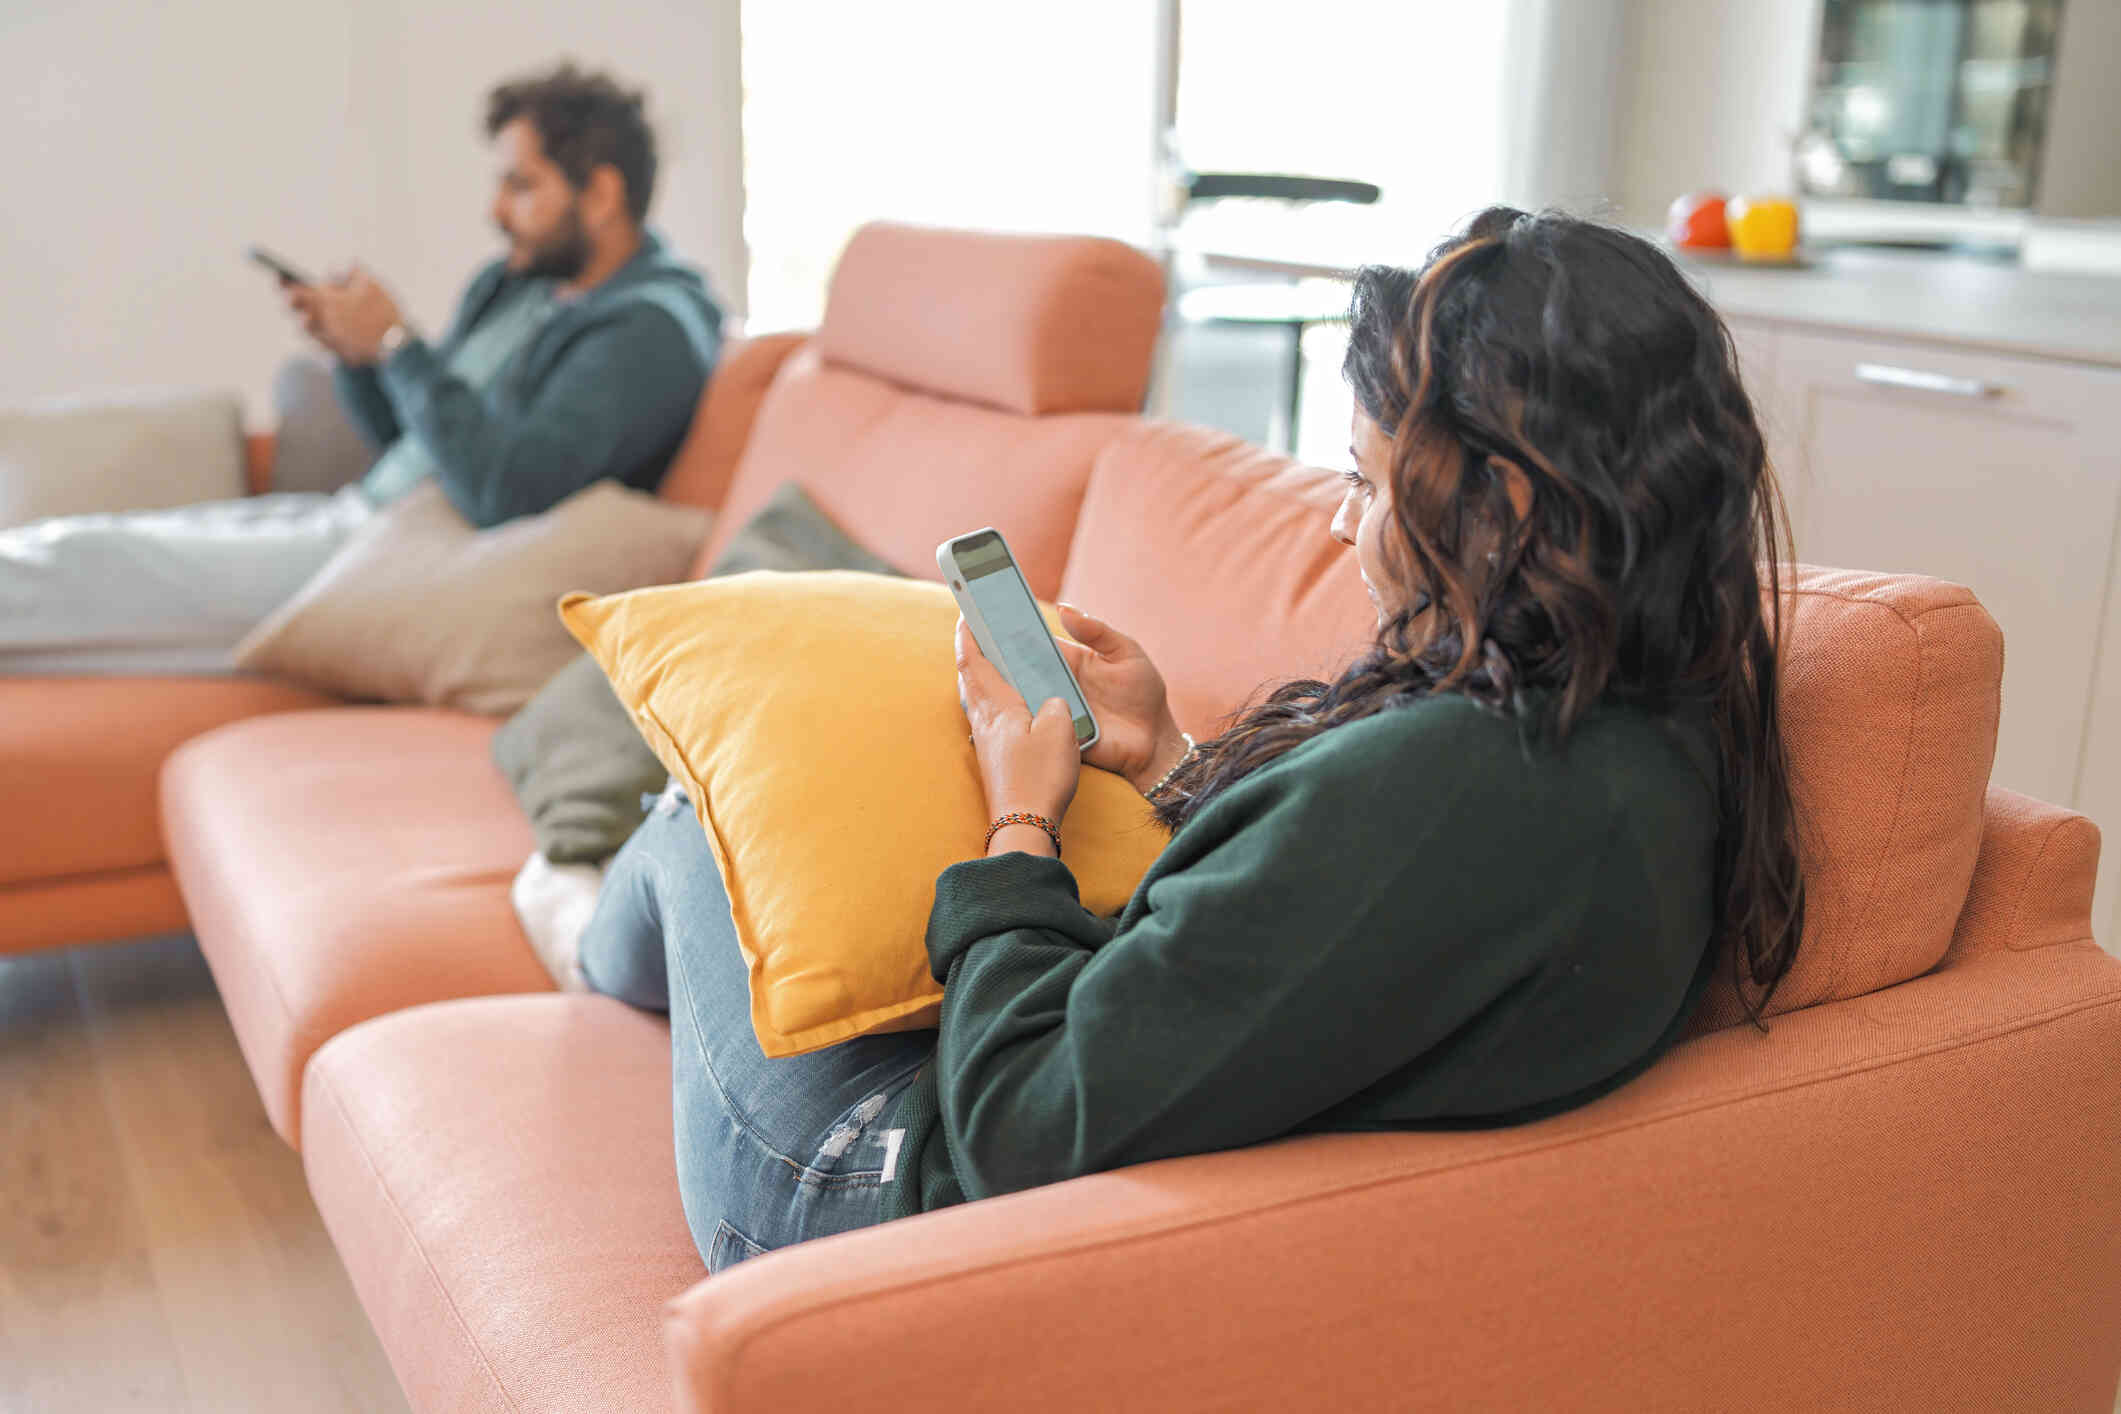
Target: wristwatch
x,y
393,339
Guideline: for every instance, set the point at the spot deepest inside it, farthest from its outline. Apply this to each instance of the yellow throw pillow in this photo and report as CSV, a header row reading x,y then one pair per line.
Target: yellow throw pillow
x,y
814,722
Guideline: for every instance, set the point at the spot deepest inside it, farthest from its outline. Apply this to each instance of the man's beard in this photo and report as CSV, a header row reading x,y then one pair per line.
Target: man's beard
x,y
562,255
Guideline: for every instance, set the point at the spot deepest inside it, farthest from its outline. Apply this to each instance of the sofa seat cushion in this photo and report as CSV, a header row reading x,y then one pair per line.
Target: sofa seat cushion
x,y
342,864
1218,558
499,1176
79,758
1918,1187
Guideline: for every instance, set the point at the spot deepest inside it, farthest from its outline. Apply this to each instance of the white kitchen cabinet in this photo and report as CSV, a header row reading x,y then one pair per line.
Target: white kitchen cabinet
x,y
2099,783
1757,344
1999,472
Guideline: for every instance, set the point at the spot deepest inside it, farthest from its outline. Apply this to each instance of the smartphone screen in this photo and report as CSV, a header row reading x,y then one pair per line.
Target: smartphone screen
x,y
1021,640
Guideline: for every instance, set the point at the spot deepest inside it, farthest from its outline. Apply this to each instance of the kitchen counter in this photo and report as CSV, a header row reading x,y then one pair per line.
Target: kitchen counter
x,y
1939,298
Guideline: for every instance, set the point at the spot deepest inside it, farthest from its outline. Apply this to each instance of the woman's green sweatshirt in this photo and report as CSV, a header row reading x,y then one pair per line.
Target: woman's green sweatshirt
x,y
1421,920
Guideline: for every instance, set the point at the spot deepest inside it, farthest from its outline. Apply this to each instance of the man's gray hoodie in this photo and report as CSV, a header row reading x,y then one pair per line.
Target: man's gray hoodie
x,y
606,388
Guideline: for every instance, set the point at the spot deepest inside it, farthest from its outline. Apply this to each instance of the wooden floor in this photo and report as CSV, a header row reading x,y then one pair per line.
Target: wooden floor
x,y
158,1247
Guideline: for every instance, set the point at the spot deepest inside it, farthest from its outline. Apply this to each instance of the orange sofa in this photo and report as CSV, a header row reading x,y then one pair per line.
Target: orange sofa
x,y
1904,1195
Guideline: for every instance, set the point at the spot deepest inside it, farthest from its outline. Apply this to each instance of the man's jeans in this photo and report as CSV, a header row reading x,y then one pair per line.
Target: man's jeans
x,y
769,1152
161,592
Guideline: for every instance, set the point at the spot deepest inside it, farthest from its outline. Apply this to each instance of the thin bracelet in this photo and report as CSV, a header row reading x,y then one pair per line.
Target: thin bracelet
x,y
1158,788
1021,817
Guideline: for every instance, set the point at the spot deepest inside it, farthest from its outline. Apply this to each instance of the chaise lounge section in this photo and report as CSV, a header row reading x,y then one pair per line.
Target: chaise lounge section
x,y
81,849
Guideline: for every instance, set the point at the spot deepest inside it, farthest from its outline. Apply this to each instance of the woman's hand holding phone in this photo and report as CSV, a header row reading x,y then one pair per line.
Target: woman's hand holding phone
x,y
1027,762
1031,762
1139,738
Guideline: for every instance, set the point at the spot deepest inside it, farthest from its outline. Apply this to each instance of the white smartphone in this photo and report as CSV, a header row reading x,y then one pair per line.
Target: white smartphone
x,y
1006,624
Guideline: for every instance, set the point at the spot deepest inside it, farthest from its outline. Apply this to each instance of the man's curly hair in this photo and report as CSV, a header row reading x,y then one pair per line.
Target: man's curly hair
x,y
585,121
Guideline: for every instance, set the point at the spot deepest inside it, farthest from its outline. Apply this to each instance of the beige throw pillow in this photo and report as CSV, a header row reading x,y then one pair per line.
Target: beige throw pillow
x,y
421,607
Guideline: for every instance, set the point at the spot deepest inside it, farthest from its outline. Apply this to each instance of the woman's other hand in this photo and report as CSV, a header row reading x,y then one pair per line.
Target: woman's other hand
x,y
1027,763
1137,736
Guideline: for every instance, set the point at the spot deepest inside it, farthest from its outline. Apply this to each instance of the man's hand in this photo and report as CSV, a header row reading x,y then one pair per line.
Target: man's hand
x,y
348,316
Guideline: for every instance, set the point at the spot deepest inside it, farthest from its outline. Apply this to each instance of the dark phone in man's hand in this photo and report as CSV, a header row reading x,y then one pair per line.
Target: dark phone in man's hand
x,y
279,267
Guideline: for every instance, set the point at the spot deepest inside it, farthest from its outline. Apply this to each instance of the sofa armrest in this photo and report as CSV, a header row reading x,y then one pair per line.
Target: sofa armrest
x,y
1873,1206
2033,880
257,462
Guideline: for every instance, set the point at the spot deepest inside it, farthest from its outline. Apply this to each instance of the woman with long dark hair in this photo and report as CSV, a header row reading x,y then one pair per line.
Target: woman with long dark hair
x,y
1480,878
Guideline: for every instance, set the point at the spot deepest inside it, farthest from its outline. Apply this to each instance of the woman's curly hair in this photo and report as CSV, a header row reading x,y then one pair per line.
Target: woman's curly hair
x,y
1574,359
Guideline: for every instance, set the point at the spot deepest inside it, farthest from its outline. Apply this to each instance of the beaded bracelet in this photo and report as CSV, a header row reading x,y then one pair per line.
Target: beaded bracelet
x,y
1019,817
1152,792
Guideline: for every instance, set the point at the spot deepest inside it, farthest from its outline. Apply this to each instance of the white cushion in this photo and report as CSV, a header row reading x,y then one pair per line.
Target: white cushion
x,y
128,451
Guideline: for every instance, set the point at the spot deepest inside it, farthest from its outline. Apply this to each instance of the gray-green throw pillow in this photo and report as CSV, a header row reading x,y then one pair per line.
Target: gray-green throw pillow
x,y
578,766
573,756
791,534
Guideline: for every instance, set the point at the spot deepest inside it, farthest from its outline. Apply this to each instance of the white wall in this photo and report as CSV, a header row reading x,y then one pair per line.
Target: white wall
x,y
2081,169
1712,96
147,145
1564,85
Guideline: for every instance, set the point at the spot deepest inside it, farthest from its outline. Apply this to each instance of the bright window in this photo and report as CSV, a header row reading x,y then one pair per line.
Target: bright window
x,y
999,116
1409,95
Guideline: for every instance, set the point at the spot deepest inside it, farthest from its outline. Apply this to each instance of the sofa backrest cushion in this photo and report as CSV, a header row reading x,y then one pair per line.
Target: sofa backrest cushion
x,y
904,471
1216,555
959,380
1028,324
1892,688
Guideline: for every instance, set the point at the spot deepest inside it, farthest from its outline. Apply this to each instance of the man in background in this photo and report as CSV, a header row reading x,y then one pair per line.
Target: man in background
x,y
578,355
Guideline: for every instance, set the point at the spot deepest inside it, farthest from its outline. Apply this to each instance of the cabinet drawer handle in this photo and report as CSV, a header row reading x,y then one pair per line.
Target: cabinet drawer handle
x,y
1886,375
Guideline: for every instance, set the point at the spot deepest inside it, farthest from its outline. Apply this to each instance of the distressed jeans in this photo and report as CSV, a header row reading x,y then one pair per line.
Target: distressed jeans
x,y
769,1151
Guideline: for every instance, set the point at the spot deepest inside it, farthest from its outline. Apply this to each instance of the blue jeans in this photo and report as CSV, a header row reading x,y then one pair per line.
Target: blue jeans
x,y
769,1152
